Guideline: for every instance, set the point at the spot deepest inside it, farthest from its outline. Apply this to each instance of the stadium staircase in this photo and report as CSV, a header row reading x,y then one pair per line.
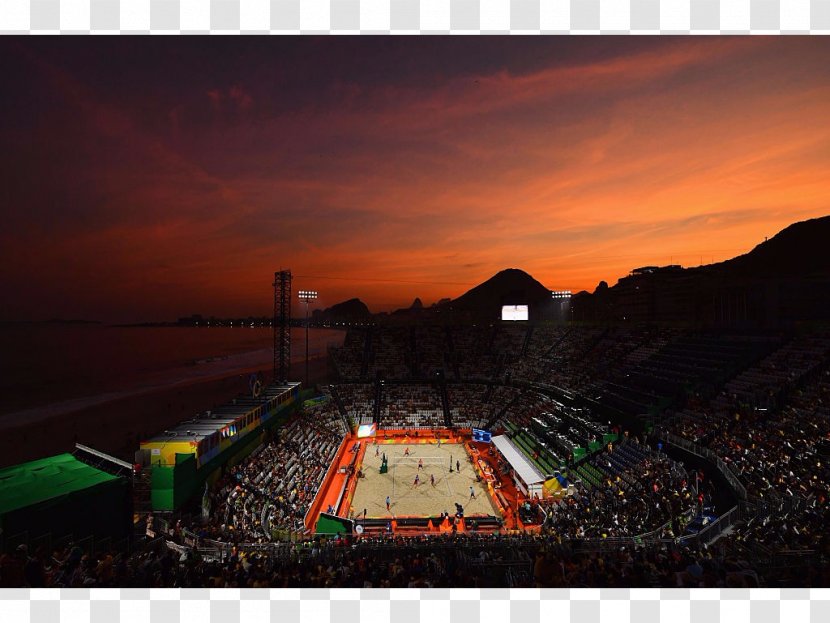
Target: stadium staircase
x,y
445,403
492,339
367,351
556,344
449,354
142,495
526,343
378,401
501,363
496,416
344,415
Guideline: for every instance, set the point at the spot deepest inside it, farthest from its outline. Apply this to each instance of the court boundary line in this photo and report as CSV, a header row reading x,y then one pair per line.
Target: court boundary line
x,y
431,463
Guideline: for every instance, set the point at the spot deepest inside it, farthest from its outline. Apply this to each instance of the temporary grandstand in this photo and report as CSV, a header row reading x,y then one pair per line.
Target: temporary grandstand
x,y
183,458
642,442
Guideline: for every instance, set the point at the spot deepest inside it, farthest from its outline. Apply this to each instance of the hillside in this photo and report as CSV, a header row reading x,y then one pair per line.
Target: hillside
x,y
353,310
508,287
796,251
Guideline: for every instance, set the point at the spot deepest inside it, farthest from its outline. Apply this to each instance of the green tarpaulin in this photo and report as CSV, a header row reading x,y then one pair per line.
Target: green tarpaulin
x,y
30,483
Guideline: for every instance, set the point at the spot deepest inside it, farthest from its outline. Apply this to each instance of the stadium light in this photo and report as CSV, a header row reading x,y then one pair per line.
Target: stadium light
x,y
560,294
307,296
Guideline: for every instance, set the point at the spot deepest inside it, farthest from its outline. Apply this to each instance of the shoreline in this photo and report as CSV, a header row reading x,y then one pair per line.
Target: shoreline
x,y
117,426
34,414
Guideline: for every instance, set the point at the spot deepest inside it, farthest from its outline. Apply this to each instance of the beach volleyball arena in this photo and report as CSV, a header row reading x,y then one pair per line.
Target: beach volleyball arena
x,y
414,481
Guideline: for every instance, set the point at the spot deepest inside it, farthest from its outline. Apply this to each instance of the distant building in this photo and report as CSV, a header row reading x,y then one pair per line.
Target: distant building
x,y
655,293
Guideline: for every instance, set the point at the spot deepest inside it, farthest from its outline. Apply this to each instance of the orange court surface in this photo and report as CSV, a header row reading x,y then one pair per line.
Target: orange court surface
x,y
408,499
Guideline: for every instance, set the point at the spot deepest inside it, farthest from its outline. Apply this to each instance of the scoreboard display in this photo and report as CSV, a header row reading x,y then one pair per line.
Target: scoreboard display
x,y
484,436
514,312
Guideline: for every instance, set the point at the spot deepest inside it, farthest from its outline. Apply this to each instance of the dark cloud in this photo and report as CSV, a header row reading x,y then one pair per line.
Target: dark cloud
x,y
168,175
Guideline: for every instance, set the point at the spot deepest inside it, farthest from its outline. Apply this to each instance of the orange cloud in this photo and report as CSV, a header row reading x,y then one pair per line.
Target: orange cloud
x,y
577,170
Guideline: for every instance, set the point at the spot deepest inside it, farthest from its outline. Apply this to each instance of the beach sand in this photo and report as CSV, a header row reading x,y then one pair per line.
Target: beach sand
x,y
424,499
118,426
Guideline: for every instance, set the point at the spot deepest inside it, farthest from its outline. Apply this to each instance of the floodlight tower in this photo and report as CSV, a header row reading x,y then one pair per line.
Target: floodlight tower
x,y
307,296
563,297
282,325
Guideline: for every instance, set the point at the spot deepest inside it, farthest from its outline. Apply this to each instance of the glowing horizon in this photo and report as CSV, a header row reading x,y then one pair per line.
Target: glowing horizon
x,y
153,179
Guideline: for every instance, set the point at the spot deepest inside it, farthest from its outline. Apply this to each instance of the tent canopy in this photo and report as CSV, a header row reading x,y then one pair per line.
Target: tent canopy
x,y
518,461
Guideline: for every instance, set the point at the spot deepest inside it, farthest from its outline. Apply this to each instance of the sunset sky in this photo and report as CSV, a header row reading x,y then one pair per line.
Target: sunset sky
x,y
150,178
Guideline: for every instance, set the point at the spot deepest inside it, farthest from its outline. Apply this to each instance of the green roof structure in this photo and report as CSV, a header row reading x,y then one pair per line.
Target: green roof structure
x,y
38,481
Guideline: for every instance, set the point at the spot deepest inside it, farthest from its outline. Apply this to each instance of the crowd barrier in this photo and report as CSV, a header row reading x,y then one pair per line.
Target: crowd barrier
x,y
704,453
713,530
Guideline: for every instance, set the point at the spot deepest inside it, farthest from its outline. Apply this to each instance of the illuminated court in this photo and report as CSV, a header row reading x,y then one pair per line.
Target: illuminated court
x,y
407,499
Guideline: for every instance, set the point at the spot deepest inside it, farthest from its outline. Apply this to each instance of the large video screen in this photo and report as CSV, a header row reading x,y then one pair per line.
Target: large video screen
x,y
366,430
514,312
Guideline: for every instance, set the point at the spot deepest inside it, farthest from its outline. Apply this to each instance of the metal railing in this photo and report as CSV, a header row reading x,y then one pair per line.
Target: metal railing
x,y
704,453
50,542
713,530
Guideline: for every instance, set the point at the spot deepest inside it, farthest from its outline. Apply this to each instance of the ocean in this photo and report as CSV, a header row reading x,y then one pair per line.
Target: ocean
x,y
50,369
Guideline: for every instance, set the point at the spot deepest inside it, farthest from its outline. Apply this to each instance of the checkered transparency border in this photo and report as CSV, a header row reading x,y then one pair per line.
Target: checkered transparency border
x,y
415,16
415,605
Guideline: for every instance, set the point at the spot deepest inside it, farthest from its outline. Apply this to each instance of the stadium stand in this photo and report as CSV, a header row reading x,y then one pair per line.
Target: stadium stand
x,y
756,403
468,405
359,402
273,488
411,406
627,492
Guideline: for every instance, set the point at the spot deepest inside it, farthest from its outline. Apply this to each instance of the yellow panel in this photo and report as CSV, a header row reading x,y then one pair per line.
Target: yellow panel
x,y
165,451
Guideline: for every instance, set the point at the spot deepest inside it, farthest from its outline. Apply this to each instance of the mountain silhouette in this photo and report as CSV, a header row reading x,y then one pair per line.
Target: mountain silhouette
x,y
782,281
508,287
796,251
353,310
413,310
